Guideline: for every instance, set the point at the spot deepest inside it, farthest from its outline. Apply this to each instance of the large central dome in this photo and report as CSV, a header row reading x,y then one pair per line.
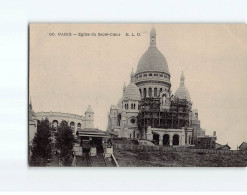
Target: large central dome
x,y
152,59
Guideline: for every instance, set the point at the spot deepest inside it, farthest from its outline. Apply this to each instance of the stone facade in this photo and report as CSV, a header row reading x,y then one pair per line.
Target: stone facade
x,y
76,122
152,80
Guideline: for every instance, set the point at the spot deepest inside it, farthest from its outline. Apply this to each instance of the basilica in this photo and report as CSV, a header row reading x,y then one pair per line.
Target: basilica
x,y
148,110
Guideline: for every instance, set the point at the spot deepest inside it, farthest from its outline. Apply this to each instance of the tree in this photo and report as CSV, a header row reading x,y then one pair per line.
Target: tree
x,y
64,143
41,147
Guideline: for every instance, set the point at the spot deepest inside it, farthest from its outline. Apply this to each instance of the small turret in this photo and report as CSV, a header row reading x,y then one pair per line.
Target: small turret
x,y
89,117
132,76
124,88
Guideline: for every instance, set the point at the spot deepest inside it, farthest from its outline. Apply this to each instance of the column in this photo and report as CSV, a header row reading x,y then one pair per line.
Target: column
x,y
171,139
161,140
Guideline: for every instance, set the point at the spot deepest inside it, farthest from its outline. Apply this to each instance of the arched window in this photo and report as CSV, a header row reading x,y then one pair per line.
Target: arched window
x,y
78,126
155,92
140,92
127,106
144,92
176,140
72,126
119,119
150,92
55,123
156,138
134,106
166,140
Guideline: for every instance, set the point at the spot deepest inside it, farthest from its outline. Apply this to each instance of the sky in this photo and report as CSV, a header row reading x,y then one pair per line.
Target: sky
x,y
68,73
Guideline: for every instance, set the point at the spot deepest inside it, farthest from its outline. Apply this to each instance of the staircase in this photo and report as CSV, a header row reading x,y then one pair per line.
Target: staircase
x,y
98,161
95,161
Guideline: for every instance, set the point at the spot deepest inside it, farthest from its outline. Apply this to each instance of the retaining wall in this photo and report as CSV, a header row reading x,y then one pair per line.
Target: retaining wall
x,y
179,149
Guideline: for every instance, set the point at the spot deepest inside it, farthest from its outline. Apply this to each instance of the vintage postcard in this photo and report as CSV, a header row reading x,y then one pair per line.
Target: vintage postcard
x,y
137,95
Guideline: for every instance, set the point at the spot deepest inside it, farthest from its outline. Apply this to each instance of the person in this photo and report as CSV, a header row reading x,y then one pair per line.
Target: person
x,y
74,161
109,143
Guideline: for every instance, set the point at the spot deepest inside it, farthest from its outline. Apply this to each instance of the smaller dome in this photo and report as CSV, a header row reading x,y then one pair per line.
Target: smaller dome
x,y
182,92
132,91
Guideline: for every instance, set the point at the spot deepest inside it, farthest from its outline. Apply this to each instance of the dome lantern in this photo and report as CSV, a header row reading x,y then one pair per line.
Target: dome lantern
x,y
182,79
153,38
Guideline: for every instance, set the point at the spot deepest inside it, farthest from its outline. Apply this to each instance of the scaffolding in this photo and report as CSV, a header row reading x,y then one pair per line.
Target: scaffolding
x,y
177,116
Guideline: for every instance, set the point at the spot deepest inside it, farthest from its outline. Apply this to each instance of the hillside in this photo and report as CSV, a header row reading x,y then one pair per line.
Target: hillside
x,y
144,158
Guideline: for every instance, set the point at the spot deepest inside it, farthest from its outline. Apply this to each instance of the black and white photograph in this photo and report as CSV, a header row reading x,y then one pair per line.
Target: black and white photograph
x,y
137,95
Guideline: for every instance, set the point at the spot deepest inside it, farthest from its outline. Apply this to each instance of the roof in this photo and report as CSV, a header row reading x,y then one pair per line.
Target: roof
x,y
223,146
152,59
92,132
132,91
244,144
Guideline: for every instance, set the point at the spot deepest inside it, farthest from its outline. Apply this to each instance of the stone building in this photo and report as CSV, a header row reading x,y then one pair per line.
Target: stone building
x,y
147,107
76,122
243,146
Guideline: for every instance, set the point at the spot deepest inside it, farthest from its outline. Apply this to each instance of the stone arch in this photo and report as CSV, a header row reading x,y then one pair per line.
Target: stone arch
x,y
155,92
55,123
119,117
150,91
156,138
78,126
72,125
144,92
175,140
166,140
